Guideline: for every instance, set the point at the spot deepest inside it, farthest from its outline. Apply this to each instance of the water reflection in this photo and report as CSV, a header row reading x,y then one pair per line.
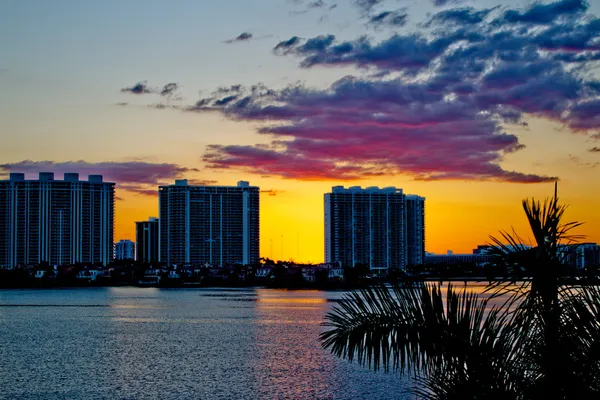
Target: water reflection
x,y
140,343
290,362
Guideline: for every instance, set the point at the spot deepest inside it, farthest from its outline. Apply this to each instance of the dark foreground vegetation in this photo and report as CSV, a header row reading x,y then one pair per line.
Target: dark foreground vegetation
x,y
267,273
542,342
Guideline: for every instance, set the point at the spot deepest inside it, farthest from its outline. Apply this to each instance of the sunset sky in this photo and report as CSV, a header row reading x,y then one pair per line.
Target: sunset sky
x,y
473,105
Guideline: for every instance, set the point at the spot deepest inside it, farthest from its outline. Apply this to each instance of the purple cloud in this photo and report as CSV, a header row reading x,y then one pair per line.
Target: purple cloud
x,y
134,176
438,104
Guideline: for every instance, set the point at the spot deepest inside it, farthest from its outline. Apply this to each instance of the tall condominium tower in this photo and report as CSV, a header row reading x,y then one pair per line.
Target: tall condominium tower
x,y
415,229
146,240
218,225
368,226
124,250
56,221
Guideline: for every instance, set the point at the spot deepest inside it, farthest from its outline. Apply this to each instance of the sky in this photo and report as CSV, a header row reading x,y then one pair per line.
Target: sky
x,y
474,105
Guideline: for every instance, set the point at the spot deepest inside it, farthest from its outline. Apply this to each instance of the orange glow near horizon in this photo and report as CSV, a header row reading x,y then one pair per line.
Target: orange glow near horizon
x,y
459,215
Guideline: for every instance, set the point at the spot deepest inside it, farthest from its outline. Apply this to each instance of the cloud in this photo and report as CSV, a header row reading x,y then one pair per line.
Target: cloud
x,y
134,176
464,15
242,37
436,104
167,90
585,115
540,13
316,4
440,3
577,161
389,18
360,129
138,88
594,150
366,6
411,53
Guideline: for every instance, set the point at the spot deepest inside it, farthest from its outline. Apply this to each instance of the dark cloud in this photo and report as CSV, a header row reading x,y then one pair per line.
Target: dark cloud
x,y
440,3
410,53
138,88
142,88
286,44
460,16
594,150
540,13
570,37
366,6
389,18
242,37
134,176
316,4
169,89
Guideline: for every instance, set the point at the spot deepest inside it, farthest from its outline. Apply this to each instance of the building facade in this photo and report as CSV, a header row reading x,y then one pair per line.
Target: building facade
x,y
415,229
217,225
374,227
59,222
146,241
124,250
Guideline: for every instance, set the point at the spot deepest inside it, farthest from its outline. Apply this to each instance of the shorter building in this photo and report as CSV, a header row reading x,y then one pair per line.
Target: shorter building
x,y
263,273
458,259
124,250
90,275
146,241
581,255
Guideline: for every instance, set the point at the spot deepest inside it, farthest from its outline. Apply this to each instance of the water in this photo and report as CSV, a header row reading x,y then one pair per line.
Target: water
x,y
148,343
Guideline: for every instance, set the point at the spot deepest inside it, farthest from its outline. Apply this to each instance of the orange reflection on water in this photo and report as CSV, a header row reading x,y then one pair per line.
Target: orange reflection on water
x,y
290,298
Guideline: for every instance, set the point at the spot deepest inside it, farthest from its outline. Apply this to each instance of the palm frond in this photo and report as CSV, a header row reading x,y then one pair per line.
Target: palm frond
x,y
421,331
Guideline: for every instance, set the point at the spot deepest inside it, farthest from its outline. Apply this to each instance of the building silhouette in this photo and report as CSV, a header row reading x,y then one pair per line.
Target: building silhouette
x,y
124,250
146,240
218,225
381,228
415,229
56,221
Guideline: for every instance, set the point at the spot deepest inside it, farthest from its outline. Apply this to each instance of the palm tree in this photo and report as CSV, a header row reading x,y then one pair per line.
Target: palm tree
x,y
543,341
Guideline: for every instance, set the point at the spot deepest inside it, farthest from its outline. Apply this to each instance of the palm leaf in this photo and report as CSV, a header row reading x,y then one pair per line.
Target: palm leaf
x,y
418,331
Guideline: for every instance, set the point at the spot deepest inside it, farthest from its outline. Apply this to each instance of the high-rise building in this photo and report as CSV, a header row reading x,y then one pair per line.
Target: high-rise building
x,y
218,225
56,221
124,250
146,240
373,227
415,229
